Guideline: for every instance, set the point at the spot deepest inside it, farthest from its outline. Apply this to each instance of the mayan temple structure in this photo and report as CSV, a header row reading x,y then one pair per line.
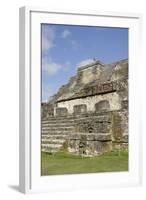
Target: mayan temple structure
x,y
88,115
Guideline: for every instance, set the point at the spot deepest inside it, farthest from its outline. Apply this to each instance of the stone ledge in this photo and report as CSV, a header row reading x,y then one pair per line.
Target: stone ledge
x,y
91,137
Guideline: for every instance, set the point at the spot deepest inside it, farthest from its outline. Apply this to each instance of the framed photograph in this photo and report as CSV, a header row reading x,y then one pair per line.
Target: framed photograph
x,y
79,100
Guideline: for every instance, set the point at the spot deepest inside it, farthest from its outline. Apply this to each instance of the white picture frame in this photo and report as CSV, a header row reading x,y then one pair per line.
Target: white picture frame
x,y
30,136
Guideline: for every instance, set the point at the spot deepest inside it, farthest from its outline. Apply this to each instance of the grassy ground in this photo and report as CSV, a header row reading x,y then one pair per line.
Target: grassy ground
x,y
63,163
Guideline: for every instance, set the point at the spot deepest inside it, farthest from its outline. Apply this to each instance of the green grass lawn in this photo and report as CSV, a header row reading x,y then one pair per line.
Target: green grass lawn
x,y
63,163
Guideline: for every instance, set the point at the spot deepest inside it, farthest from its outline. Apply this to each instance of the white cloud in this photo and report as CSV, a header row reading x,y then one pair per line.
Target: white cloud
x,y
48,36
67,63
50,67
74,44
65,33
85,62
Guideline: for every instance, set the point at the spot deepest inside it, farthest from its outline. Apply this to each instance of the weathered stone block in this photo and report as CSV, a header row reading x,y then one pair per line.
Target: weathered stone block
x,y
47,110
102,106
61,112
103,137
79,109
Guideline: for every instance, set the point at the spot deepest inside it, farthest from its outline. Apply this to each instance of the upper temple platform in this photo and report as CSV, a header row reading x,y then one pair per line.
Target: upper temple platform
x,y
97,75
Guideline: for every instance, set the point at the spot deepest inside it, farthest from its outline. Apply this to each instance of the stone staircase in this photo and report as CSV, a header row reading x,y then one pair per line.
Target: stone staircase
x,y
94,132
55,132
59,130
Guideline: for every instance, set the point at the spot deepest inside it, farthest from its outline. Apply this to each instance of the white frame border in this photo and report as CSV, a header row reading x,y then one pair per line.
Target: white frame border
x,y
25,142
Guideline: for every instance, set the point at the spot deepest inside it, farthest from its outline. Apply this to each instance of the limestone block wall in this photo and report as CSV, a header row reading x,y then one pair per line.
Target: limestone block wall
x,y
87,74
90,101
120,129
47,110
97,133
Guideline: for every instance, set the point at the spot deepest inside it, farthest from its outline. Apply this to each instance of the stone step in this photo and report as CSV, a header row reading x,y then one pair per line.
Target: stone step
x,y
58,124
66,120
91,136
60,118
57,128
56,132
55,121
54,150
51,137
75,116
53,141
51,146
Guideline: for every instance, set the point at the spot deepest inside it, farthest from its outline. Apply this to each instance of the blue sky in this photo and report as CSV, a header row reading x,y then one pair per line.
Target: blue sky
x,y
65,47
